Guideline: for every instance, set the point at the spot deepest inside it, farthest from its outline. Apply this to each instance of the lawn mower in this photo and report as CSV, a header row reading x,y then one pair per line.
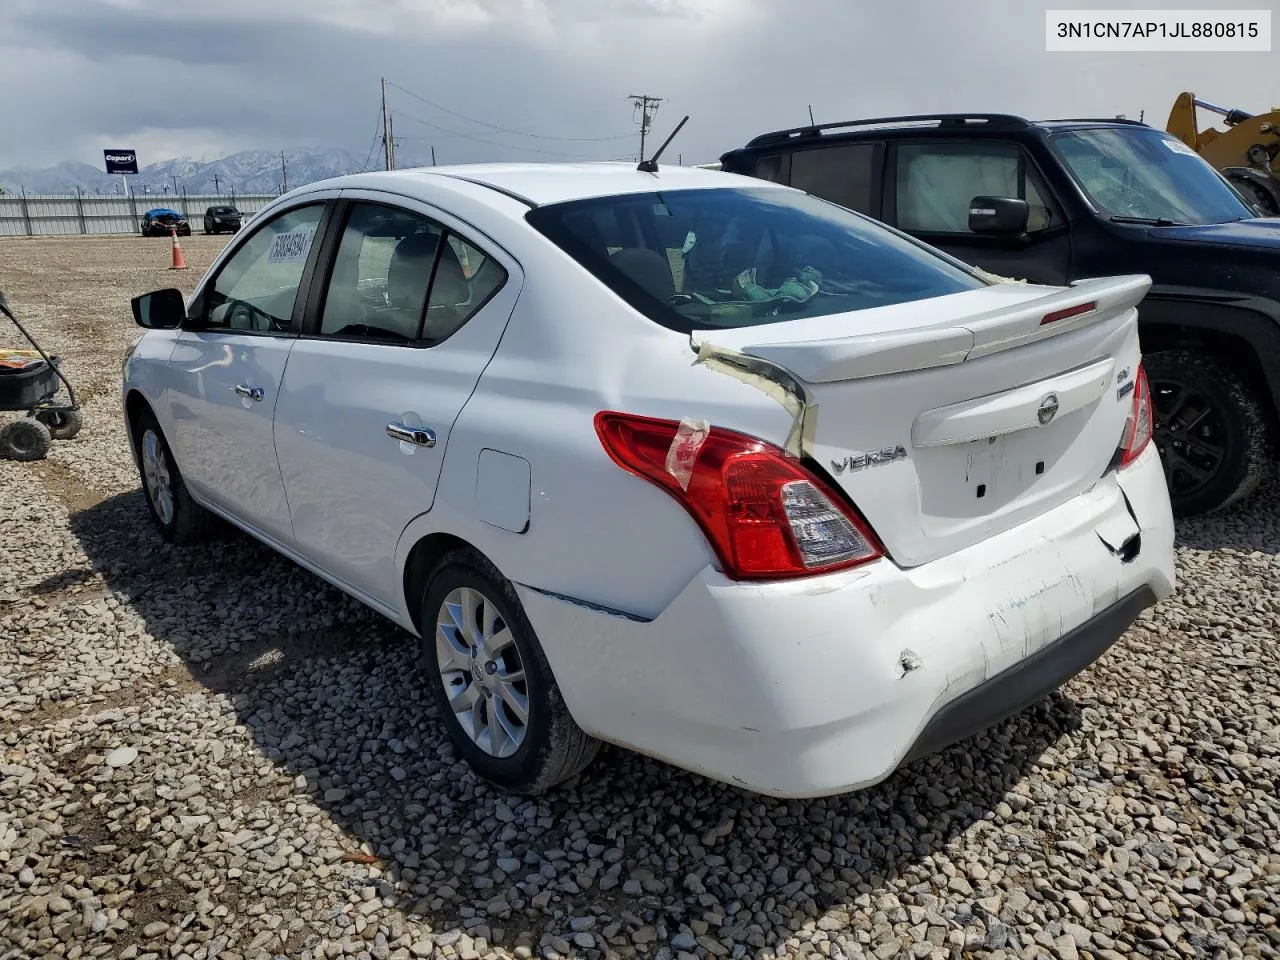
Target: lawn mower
x,y
29,382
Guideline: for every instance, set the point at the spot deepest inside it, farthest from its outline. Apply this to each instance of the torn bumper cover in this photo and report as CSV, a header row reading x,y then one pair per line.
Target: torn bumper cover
x,y
828,684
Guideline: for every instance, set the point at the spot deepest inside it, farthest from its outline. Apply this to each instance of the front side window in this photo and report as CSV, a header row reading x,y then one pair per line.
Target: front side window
x,y
743,256
1148,175
399,277
938,181
256,288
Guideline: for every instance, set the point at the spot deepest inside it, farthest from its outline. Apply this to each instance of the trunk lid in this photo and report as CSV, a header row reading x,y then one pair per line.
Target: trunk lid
x,y
950,420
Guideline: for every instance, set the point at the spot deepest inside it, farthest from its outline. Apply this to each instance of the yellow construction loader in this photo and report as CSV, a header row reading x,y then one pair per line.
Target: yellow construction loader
x,y
1244,153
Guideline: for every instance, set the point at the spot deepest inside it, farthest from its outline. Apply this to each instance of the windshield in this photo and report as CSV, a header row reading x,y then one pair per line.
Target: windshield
x,y
742,256
1149,175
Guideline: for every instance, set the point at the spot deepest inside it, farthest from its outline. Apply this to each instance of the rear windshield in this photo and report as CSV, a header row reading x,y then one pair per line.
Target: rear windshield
x,y
219,211
744,256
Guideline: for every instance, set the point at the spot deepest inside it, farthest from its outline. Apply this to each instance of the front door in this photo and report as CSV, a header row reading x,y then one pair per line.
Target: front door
x,y
392,347
226,370
933,184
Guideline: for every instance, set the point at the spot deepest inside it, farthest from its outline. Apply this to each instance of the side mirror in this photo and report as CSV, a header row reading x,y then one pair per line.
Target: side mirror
x,y
999,216
160,309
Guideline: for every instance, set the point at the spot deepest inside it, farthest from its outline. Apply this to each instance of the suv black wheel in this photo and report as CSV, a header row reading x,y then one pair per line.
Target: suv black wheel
x,y
1211,430
179,518
492,683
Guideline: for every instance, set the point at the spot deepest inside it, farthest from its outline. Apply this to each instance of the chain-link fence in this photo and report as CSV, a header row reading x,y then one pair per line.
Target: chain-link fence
x,y
31,215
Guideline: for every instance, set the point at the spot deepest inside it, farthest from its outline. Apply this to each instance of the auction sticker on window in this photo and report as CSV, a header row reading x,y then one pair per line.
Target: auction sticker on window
x,y
1177,146
292,246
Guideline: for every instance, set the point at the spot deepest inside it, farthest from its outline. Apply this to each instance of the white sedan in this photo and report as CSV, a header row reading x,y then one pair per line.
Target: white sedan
x,y
690,463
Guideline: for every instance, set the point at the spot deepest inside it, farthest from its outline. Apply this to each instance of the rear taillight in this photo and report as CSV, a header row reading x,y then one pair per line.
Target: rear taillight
x,y
1141,423
765,515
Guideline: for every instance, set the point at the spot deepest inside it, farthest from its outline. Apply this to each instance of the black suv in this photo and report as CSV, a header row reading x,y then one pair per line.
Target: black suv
x,y
1058,201
217,219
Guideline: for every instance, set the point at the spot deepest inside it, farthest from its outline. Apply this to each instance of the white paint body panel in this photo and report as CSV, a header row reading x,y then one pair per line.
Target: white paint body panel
x,y
790,688
224,441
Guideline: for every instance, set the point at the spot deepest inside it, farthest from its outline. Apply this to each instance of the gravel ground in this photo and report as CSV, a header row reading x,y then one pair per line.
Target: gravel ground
x,y
209,753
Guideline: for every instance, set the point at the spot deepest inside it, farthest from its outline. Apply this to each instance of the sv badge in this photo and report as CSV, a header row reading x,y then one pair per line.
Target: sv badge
x,y
860,461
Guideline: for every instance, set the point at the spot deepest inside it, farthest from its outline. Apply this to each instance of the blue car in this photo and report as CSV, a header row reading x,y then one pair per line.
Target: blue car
x,y
162,221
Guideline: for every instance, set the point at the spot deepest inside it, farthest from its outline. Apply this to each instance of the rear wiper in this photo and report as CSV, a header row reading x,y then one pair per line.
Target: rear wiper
x,y
1149,221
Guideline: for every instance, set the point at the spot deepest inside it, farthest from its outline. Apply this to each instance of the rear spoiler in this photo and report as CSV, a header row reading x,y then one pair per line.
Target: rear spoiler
x,y
849,358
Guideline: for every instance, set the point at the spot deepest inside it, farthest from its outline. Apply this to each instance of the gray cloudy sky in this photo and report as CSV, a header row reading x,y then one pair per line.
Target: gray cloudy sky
x,y
179,78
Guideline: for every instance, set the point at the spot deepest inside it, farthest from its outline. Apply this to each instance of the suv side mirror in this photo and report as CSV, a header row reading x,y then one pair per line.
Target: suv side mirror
x,y
999,216
160,309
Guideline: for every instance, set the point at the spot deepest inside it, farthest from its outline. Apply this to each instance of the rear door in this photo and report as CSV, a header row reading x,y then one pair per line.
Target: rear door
x,y
401,322
227,366
932,183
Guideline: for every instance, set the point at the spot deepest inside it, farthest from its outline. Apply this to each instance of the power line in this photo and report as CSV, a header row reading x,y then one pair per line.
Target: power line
x,y
373,144
568,158
492,126
492,143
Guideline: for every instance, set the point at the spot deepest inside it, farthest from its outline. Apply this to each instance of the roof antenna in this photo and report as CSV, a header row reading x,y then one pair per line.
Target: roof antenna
x,y
651,165
811,123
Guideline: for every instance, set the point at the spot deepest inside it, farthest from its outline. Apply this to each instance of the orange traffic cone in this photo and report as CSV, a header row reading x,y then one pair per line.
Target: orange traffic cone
x,y
179,262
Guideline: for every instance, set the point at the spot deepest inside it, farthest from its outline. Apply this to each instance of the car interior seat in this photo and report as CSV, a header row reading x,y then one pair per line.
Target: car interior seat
x,y
408,274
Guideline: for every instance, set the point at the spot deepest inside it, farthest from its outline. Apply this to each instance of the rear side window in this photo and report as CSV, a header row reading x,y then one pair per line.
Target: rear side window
x,y
843,174
401,278
741,256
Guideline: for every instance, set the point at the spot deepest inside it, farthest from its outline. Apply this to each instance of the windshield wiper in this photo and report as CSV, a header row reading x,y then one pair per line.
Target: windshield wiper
x,y
1150,221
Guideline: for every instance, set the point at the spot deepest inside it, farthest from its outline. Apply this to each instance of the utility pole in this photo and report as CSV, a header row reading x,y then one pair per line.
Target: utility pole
x,y
175,183
647,106
388,145
216,191
284,175
391,129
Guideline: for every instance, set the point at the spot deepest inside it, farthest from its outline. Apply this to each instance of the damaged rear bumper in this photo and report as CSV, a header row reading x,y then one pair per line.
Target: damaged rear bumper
x,y
828,684
1037,676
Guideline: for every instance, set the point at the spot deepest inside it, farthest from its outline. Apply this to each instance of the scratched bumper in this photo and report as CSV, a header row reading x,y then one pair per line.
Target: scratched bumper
x,y
1030,679
829,684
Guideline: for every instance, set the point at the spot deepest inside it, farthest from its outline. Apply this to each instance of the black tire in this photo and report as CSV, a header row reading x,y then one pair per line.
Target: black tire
x,y
554,748
1211,431
25,440
188,522
62,424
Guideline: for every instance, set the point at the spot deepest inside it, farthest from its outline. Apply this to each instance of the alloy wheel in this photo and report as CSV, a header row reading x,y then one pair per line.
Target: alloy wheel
x,y
483,673
155,472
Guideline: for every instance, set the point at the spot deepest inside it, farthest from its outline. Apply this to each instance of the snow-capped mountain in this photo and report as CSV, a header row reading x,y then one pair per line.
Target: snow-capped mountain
x,y
250,171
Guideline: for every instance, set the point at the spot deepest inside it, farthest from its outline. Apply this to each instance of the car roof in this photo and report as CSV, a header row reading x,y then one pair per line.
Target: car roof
x,y
536,184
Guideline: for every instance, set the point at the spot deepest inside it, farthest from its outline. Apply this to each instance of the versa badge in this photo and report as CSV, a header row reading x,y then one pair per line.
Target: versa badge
x,y
875,458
